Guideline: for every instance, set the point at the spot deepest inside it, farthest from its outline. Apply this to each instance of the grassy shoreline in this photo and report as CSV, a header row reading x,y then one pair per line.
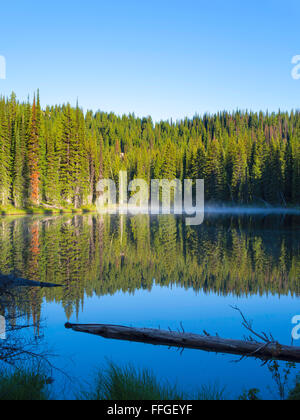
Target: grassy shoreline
x,y
13,211
217,209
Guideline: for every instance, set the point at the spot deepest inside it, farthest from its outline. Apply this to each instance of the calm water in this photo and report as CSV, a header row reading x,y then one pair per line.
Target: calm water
x,y
156,272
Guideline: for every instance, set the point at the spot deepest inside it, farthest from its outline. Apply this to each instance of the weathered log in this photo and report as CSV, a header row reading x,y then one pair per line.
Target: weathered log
x,y
265,351
12,281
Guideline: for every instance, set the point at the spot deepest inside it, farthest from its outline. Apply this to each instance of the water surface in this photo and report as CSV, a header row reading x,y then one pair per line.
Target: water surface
x,y
157,272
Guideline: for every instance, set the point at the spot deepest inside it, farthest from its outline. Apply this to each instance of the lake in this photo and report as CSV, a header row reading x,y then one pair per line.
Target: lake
x,y
157,272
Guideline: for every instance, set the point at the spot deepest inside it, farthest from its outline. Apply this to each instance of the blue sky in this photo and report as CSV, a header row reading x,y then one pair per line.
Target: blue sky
x,y
161,58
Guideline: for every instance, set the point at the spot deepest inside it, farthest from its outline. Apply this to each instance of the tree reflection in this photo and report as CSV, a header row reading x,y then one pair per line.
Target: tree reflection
x,y
99,255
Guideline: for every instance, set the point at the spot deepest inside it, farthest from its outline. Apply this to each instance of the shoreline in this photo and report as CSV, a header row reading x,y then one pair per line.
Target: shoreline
x,y
121,210
13,211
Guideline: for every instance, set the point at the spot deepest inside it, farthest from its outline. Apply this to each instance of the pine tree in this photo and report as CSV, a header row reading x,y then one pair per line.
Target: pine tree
x,y
239,171
66,152
169,161
52,176
33,156
212,172
258,162
19,181
296,170
5,156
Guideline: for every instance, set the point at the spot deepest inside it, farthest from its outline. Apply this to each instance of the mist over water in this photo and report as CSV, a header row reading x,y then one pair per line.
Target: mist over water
x,y
265,211
211,209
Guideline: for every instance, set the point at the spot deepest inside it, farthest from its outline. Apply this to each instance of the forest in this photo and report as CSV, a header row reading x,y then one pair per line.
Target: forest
x,y
55,156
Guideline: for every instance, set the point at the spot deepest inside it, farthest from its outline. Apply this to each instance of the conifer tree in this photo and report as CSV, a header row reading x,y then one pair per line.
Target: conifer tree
x,y
33,156
19,182
5,156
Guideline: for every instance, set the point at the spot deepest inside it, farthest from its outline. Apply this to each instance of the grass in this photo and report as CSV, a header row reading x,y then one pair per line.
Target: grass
x,y
211,393
294,394
130,384
24,385
13,211
115,383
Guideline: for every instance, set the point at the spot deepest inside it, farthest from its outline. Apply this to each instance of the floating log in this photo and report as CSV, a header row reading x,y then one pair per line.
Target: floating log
x,y
265,351
12,281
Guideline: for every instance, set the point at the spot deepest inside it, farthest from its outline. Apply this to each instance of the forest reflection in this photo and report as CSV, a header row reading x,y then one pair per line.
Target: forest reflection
x,y
99,255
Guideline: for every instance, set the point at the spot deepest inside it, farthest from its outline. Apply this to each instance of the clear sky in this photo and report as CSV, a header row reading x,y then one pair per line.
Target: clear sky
x,y
160,58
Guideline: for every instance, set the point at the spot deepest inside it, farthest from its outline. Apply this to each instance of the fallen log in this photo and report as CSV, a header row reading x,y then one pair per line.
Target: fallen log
x,y
12,281
264,351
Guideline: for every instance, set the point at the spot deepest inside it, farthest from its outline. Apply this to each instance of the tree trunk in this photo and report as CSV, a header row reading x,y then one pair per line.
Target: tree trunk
x,y
266,351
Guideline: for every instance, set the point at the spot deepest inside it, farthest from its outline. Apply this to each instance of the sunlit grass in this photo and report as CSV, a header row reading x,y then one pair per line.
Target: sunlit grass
x,y
13,211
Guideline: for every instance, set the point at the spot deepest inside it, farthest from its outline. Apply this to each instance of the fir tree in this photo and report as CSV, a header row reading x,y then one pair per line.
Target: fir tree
x,y
33,156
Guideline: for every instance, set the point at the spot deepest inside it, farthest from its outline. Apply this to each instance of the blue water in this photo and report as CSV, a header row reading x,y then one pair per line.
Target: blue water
x,y
271,254
162,307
